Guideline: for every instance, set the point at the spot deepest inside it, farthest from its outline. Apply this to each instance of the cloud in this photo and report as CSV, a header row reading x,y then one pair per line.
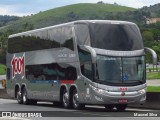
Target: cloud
x,y
4,10
12,10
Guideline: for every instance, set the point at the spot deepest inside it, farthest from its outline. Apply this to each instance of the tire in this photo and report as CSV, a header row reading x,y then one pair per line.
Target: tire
x,y
25,100
76,105
109,107
121,107
19,97
65,99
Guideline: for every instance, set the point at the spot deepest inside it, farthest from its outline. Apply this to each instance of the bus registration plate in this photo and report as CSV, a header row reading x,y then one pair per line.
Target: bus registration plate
x,y
123,101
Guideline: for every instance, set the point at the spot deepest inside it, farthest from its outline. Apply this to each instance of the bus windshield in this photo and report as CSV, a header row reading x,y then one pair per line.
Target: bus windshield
x,y
120,69
120,37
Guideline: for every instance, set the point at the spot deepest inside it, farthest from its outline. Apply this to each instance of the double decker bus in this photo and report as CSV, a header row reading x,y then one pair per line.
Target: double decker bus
x,y
99,62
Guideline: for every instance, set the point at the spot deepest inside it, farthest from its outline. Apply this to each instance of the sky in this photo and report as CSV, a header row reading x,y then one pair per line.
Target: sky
x,y
28,7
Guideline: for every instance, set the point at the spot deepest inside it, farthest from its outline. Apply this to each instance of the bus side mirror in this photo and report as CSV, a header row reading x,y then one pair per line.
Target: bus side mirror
x,y
154,55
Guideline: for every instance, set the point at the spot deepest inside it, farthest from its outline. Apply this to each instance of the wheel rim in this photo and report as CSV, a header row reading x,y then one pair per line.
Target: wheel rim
x,y
24,97
18,96
65,99
75,101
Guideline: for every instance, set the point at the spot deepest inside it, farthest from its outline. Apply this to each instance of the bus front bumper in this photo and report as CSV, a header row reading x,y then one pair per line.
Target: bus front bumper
x,y
105,97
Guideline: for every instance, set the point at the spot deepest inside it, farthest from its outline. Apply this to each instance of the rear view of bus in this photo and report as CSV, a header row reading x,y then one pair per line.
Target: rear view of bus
x,y
111,54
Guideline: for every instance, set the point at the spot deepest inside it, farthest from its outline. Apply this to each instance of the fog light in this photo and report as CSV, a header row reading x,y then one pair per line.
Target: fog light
x,y
142,91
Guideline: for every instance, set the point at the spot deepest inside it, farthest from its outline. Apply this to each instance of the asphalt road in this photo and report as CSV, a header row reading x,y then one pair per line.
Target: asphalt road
x,y
48,111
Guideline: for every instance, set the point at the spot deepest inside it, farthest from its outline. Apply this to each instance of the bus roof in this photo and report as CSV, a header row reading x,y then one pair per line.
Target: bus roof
x,y
71,24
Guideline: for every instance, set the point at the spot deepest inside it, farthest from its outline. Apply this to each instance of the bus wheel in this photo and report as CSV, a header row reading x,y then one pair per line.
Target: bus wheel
x,y
24,96
76,104
66,101
109,107
19,97
121,107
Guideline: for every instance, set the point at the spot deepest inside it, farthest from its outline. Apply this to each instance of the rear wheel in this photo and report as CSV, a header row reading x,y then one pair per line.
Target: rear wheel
x,y
25,99
65,99
19,97
109,107
121,107
24,96
75,102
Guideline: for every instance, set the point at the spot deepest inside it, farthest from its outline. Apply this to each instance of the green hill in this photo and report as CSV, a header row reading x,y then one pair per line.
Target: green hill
x,y
153,10
66,14
4,19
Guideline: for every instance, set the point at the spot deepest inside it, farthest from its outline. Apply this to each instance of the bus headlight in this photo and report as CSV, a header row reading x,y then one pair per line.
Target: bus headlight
x,y
142,91
100,91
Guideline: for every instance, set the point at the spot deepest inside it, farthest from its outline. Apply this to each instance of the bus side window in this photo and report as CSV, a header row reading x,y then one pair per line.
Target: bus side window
x,y
71,73
35,72
86,70
67,38
86,65
66,72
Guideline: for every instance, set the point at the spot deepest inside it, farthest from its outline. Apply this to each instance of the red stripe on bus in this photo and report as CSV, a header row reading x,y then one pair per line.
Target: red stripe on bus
x,y
66,81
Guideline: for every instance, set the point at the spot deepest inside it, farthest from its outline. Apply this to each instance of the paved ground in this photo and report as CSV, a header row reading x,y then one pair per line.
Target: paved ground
x,y
153,82
48,110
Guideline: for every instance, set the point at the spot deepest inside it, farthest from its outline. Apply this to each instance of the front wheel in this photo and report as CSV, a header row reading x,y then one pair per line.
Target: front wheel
x,y
24,96
75,102
121,107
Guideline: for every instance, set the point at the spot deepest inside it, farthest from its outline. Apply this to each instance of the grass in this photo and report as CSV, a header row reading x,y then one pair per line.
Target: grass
x,y
2,69
153,75
153,88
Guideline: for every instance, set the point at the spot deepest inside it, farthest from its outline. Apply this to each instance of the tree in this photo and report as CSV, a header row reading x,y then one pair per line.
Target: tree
x,y
148,38
157,50
27,26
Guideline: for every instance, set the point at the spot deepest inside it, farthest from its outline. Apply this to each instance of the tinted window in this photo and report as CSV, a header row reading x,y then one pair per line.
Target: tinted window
x,y
82,34
85,63
51,72
67,38
66,72
30,42
122,37
86,69
118,70
41,72
47,39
